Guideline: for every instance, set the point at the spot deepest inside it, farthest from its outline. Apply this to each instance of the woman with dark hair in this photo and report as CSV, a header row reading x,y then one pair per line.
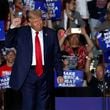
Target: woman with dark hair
x,y
74,47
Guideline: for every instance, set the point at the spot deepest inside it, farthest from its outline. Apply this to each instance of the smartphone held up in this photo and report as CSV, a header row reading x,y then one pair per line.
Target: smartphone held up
x,y
76,30
19,14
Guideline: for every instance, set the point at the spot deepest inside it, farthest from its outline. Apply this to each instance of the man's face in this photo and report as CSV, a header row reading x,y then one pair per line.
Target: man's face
x,y
72,5
19,4
36,23
74,41
100,72
10,57
61,33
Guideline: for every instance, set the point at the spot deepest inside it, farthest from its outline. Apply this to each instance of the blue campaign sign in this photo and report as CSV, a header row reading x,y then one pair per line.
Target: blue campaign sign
x,y
41,5
55,7
72,78
106,56
2,32
4,82
51,6
107,71
104,40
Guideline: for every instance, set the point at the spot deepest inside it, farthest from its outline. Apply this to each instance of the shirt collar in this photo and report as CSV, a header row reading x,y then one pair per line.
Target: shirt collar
x,y
33,31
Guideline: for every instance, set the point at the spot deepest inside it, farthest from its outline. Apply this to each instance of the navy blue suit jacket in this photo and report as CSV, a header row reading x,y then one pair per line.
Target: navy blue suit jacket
x,y
21,39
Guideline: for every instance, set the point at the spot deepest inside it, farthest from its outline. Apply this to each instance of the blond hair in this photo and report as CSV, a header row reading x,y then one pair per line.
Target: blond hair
x,y
34,14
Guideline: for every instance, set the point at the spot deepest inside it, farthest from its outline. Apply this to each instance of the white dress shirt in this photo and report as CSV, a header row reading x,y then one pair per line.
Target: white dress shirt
x,y
40,36
82,8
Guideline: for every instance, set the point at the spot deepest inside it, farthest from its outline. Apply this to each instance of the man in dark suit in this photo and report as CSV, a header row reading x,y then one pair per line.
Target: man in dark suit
x,y
24,77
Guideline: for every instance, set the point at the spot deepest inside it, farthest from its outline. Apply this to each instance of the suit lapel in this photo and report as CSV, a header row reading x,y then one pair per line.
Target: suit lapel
x,y
29,35
28,40
45,36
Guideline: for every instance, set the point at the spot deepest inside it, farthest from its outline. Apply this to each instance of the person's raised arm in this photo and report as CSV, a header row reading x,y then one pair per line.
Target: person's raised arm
x,y
89,41
10,40
87,66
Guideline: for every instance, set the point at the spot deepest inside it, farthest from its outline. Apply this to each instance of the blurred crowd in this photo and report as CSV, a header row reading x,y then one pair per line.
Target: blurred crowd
x,y
78,31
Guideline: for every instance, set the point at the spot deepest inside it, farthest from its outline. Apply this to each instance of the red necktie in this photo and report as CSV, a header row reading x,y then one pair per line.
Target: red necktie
x,y
39,67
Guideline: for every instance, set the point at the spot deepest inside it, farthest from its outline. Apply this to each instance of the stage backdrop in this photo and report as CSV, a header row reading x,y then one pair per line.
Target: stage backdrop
x,y
79,103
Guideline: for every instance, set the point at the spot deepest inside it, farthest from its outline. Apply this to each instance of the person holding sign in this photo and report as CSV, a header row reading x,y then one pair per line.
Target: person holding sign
x,y
38,55
10,96
78,46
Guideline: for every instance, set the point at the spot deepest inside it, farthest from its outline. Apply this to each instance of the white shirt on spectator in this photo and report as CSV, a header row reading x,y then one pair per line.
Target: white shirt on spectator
x,y
65,20
82,8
